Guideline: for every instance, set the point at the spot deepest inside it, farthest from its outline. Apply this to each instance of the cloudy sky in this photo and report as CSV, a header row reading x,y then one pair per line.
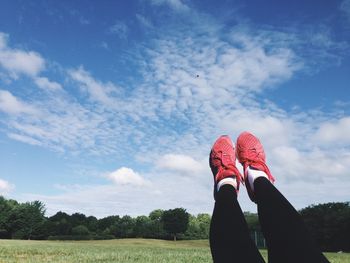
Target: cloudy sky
x,y
111,107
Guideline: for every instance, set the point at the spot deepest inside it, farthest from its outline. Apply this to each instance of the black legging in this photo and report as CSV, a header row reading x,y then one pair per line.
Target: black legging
x,y
285,233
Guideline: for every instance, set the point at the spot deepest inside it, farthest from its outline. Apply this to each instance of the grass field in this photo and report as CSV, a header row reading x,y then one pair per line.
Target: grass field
x,y
124,250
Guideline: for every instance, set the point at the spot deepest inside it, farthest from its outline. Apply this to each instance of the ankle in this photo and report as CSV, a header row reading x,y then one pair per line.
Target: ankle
x,y
227,181
253,174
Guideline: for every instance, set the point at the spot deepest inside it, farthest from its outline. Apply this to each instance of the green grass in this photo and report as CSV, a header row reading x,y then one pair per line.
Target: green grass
x,y
124,250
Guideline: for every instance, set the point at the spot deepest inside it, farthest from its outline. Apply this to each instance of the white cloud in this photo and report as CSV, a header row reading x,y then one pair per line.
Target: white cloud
x,y
11,105
337,132
18,61
180,163
45,83
127,176
5,187
29,63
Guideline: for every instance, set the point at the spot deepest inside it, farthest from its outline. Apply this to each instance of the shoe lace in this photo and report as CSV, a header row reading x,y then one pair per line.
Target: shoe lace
x,y
252,157
224,161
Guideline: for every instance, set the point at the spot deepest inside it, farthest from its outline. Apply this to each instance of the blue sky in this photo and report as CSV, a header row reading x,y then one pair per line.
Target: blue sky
x,y
102,112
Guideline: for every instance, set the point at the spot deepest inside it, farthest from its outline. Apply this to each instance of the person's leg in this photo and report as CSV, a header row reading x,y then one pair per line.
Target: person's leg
x,y
229,235
286,235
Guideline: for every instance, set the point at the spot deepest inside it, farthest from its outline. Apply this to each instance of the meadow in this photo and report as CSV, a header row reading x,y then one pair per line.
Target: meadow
x,y
122,250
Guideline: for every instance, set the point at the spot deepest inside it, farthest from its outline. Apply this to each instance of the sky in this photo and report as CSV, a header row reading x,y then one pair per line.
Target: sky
x,y
111,107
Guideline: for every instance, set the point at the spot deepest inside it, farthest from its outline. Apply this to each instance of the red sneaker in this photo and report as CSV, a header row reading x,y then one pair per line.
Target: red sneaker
x,y
222,161
250,153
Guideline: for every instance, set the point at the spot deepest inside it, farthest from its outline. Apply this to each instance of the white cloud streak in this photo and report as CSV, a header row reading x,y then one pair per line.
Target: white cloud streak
x,y
46,84
11,105
96,90
144,21
18,61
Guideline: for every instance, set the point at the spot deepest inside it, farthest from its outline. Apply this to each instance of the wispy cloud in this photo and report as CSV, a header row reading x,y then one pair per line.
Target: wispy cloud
x,y
177,5
144,21
104,45
46,84
83,21
345,8
24,139
120,29
12,105
57,122
96,90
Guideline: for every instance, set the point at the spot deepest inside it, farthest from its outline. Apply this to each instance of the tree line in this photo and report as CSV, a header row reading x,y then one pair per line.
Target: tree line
x,y
328,223
28,221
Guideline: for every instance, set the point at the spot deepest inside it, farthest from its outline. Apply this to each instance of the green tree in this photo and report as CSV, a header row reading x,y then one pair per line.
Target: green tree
x,y
204,225
156,224
59,224
156,215
77,219
175,221
125,227
92,223
193,229
142,226
59,216
329,224
107,223
5,208
27,220
198,227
